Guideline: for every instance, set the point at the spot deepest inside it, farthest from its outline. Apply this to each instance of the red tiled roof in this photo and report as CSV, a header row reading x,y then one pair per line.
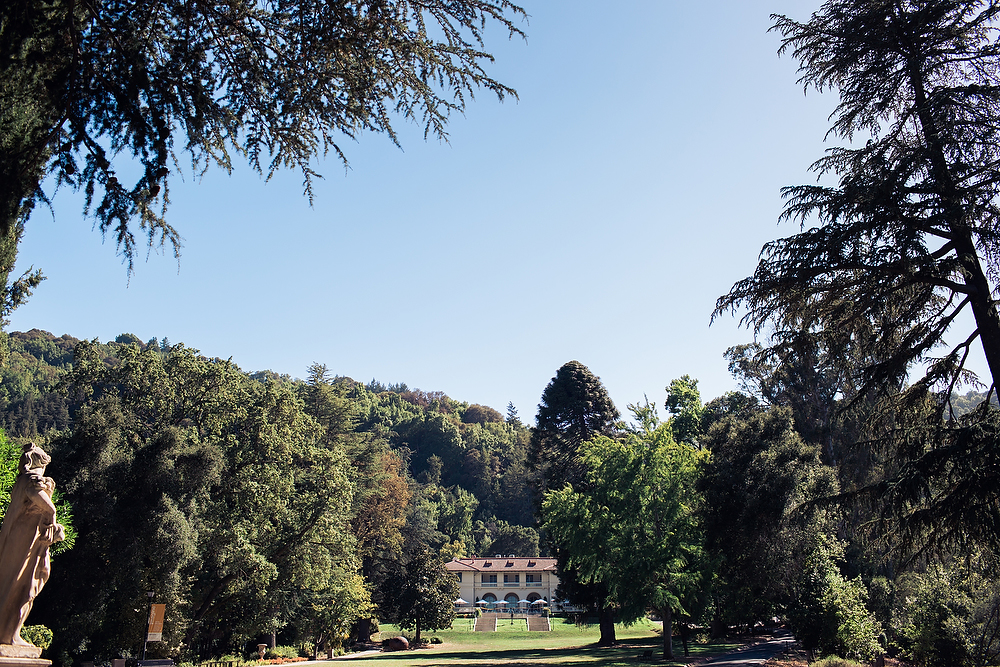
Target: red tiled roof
x,y
502,564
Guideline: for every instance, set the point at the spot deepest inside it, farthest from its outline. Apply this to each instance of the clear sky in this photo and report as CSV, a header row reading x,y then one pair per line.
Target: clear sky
x,y
596,218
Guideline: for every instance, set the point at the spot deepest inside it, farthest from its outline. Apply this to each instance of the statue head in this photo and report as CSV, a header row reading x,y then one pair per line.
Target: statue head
x,y
33,459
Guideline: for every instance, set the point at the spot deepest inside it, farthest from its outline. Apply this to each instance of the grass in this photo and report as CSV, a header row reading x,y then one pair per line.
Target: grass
x,y
567,644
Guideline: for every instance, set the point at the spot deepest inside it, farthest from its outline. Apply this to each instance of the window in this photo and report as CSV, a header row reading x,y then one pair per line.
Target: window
x,y
528,578
489,578
460,576
508,578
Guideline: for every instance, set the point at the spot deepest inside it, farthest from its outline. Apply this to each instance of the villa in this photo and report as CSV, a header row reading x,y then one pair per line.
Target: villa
x,y
511,579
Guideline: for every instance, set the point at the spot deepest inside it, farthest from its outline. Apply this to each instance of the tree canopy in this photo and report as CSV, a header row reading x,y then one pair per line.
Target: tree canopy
x,y
906,241
424,596
634,529
231,501
275,83
574,409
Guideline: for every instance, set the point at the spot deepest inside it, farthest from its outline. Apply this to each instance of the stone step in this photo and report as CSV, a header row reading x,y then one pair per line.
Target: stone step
x,y
538,624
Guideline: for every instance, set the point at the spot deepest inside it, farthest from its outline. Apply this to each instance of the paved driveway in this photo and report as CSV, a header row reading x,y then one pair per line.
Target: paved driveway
x,y
756,654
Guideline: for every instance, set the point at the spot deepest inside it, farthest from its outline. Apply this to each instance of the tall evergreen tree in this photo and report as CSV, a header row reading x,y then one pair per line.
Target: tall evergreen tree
x,y
575,408
759,473
907,241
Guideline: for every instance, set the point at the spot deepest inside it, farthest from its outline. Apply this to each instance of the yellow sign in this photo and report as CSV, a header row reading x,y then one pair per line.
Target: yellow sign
x,y
156,614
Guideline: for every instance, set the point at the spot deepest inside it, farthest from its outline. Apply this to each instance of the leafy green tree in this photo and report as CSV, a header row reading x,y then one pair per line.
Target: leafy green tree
x,y
947,612
328,616
830,612
430,434
575,408
425,594
685,409
29,405
759,473
905,242
634,529
495,536
193,481
455,509
480,414
812,378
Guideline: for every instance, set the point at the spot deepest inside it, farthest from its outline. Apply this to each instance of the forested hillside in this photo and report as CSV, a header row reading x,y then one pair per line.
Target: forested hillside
x,y
246,500
255,503
442,440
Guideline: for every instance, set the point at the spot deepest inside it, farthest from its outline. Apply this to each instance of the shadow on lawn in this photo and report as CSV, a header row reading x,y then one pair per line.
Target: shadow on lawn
x,y
623,652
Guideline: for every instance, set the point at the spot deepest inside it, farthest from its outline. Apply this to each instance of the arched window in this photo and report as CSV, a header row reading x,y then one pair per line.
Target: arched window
x,y
489,597
512,598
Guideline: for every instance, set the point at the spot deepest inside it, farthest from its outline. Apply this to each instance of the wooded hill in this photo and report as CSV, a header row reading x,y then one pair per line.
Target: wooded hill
x,y
450,442
253,503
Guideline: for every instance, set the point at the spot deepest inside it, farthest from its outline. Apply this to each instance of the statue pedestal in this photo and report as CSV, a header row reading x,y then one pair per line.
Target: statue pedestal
x,y
6,661
21,655
19,651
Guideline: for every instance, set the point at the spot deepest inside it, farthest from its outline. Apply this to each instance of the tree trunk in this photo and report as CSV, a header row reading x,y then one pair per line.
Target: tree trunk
x,y
718,626
983,308
363,629
668,633
416,640
607,621
980,291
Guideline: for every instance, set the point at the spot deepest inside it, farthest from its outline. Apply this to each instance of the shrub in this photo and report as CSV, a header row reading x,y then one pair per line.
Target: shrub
x,y
39,635
287,652
857,633
831,613
834,661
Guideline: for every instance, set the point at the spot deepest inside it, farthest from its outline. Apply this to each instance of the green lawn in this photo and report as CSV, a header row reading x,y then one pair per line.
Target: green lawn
x,y
512,645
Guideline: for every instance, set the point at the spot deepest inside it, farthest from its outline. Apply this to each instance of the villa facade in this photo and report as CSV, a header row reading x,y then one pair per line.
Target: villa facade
x,y
512,579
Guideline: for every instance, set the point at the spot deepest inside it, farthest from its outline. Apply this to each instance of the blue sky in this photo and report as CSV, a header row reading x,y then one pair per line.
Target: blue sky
x,y
596,218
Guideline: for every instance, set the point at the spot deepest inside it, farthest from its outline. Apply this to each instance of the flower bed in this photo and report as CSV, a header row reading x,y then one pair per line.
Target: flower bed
x,y
280,661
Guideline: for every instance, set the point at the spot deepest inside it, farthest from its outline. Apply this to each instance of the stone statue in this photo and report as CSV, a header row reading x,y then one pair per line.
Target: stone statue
x,y
29,528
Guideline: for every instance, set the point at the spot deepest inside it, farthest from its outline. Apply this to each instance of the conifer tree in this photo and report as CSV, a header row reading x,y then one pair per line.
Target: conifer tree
x,y
85,84
575,408
905,243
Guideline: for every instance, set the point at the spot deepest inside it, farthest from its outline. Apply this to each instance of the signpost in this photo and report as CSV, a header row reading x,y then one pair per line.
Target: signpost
x,y
155,631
